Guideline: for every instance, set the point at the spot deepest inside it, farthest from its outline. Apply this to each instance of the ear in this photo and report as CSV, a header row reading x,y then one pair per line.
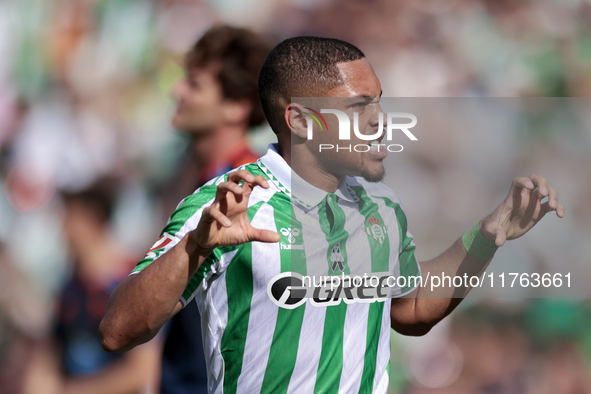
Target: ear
x,y
236,111
296,120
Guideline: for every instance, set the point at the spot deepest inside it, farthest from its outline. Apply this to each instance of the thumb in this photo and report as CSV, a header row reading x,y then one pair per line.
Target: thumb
x,y
500,236
265,236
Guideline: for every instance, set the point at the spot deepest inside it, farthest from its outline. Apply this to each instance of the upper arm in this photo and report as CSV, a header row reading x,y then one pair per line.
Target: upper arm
x,y
404,318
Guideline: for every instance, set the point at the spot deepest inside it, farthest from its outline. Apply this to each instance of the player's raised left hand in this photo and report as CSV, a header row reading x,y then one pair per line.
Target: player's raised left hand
x,y
521,210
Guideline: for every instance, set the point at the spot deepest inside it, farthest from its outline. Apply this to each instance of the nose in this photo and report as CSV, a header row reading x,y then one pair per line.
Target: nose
x,y
177,90
375,118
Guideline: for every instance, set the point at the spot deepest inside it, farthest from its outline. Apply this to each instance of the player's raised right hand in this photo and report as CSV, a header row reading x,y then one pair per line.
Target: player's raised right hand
x,y
225,222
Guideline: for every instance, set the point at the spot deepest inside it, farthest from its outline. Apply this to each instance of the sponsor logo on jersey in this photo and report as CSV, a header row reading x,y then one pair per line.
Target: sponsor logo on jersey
x,y
374,229
286,290
289,290
291,234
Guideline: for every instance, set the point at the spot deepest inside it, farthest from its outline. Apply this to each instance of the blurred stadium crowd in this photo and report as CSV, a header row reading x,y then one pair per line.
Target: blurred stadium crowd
x,y
85,122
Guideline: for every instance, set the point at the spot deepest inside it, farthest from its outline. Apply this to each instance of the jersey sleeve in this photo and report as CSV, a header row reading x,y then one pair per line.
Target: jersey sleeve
x,y
408,265
183,220
407,262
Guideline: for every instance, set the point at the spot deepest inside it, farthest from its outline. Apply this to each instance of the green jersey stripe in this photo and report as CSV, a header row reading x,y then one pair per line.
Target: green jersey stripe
x,y
407,261
309,346
239,285
376,230
284,349
330,365
332,221
379,243
263,317
374,324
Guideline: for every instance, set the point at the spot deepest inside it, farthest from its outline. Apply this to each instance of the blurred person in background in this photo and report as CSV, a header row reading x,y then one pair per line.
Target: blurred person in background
x,y
217,104
24,313
72,360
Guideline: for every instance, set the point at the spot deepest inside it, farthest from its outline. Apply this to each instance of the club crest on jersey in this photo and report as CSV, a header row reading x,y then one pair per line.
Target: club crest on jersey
x,y
337,257
374,229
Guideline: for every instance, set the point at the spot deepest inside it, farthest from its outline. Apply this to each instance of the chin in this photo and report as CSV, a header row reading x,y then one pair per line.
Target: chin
x,y
374,176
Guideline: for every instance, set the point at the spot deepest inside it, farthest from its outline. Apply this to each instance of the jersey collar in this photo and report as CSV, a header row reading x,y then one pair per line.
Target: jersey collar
x,y
280,173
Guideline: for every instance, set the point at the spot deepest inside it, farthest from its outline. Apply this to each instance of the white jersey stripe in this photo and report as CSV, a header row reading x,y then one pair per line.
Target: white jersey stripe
x,y
383,356
303,377
266,262
358,253
353,361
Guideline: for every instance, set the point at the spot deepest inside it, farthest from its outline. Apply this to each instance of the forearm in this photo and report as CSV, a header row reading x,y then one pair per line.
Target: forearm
x,y
143,302
437,296
434,303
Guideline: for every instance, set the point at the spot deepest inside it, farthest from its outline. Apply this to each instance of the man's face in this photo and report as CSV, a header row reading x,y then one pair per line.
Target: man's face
x,y
359,94
199,99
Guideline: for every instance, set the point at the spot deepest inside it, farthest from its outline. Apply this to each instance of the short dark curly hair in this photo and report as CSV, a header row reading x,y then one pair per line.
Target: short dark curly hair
x,y
237,56
301,67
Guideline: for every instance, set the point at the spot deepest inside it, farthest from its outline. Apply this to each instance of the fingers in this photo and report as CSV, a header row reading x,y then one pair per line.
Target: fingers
x,y
545,190
541,183
552,197
261,181
212,213
226,187
265,235
245,175
547,208
541,189
523,182
232,185
240,175
560,210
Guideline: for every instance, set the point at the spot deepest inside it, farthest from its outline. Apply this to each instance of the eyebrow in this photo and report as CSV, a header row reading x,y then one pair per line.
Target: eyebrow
x,y
366,97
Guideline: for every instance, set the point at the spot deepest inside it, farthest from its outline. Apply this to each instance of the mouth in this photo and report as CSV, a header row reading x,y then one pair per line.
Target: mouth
x,y
376,145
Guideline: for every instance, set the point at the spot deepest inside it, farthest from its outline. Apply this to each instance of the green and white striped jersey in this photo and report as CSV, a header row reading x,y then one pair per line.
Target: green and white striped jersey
x,y
252,344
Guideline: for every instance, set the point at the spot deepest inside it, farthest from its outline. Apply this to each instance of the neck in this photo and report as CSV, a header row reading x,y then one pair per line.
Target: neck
x,y
210,146
304,163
